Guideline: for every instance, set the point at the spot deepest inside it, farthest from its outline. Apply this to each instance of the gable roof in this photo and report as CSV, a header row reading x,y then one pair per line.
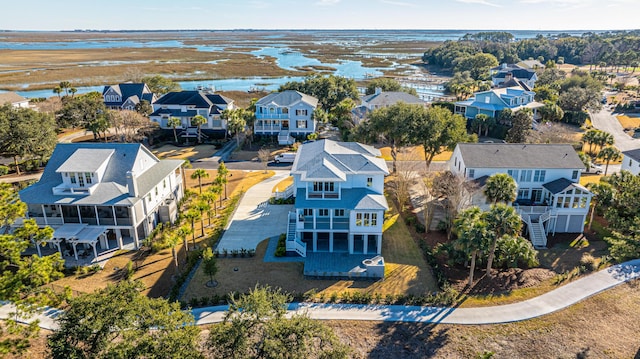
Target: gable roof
x,y
128,90
287,98
11,97
519,73
519,155
392,97
562,185
633,154
86,160
112,189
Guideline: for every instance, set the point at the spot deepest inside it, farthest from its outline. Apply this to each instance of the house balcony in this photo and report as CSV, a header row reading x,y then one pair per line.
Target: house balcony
x,y
323,223
269,128
323,195
272,116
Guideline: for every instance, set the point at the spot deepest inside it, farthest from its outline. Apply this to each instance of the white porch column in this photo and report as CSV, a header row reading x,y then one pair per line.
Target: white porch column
x,y
38,248
331,242
331,218
315,241
95,209
119,238
365,243
44,214
75,251
95,252
350,240
379,240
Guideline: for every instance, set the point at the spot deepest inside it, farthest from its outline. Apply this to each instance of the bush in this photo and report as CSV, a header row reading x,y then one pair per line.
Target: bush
x,y
4,170
589,262
575,117
281,250
515,252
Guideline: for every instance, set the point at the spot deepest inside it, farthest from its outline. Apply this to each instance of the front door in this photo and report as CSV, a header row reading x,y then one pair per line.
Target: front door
x,y
536,196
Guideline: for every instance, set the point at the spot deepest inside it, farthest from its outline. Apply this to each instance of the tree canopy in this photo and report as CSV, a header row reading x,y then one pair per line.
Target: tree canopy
x,y
388,84
329,90
160,85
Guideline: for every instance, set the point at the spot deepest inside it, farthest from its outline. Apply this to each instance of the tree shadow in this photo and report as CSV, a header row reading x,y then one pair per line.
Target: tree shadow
x,y
409,340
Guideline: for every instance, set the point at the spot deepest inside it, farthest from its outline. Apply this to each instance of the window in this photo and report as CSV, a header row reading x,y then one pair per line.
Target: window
x,y
301,112
523,193
583,202
164,183
630,163
513,173
369,181
156,190
87,177
358,219
301,124
559,202
525,176
338,213
323,212
308,211
285,110
539,175
472,173
487,99
72,178
149,197
326,186
374,219
574,175
366,219
80,180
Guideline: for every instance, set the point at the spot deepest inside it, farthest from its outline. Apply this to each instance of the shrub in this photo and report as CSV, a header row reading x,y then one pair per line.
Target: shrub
x,y
589,262
129,271
281,249
4,170
420,228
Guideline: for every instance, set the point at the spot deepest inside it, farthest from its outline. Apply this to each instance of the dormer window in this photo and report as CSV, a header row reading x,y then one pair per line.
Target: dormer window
x,y
80,180
73,178
87,177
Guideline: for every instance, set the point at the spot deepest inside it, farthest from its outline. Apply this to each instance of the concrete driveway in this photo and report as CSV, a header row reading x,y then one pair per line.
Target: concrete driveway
x,y
255,219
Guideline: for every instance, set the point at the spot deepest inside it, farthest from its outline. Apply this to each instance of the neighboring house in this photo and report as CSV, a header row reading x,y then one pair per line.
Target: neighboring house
x,y
631,161
339,202
127,95
549,199
507,72
14,100
286,114
185,105
381,99
107,192
493,101
531,64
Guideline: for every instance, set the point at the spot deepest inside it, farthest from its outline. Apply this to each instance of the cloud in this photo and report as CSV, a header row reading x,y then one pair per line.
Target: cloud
x,y
479,2
398,3
327,2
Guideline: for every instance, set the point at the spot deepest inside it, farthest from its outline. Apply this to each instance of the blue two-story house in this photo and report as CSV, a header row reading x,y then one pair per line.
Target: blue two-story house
x,y
493,101
339,199
286,114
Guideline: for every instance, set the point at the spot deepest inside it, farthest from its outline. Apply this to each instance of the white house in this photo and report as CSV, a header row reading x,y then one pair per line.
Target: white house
x,y
549,198
506,72
126,96
631,161
286,114
107,192
14,100
381,99
339,199
185,105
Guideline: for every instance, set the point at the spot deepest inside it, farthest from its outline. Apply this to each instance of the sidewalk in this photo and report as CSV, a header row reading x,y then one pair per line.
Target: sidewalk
x,y
550,302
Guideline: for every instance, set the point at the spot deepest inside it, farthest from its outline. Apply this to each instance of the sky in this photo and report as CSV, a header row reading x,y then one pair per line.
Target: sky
x,y
321,14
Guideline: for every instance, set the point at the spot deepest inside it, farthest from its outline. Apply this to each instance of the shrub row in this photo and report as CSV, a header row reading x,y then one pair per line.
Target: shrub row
x,y
193,258
281,249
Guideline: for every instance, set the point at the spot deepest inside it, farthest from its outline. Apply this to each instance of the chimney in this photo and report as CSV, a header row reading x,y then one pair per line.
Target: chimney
x,y
378,91
503,65
508,77
132,185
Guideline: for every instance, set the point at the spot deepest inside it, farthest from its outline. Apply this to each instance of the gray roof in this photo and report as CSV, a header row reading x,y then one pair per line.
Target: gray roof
x,y
391,98
86,160
287,98
519,155
319,159
352,198
112,190
633,154
561,185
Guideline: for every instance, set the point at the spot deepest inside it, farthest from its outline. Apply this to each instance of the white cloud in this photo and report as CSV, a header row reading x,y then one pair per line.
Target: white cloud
x,y
480,2
398,3
327,2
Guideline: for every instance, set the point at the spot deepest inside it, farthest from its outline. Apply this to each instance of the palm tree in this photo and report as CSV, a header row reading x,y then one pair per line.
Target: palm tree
x,y
172,239
479,122
192,215
609,154
590,138
501,220
216,189
586,160
500,187
174,122
73,91
57,90
604,139
210,198
472,235
199,120
199,174
223,172
183,232
201,207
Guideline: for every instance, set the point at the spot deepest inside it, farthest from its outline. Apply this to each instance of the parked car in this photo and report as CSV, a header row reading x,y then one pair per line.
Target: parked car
x,y
594,168
287,157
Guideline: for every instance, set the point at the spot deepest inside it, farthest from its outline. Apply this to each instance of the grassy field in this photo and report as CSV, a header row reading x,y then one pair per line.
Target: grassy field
x,y
415,153
282,185
628,122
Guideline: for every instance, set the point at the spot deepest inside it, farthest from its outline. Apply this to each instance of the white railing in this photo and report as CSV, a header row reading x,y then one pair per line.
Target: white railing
x,y
296,246
288,192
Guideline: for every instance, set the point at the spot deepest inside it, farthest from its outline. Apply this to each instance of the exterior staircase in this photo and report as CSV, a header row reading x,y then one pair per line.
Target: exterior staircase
x,y
293,244
284,138
536,229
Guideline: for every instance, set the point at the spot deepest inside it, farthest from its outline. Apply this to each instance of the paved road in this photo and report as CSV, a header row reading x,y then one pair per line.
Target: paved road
x,y
605,121
255,219
550,302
